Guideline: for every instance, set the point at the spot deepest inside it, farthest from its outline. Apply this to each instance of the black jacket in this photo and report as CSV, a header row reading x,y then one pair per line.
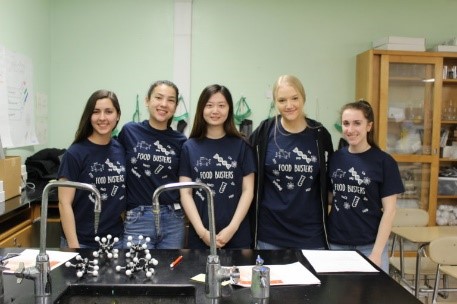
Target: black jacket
x,y
259,141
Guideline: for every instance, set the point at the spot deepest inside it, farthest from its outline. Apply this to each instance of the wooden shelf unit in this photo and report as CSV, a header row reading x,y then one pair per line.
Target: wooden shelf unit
x,y
409,95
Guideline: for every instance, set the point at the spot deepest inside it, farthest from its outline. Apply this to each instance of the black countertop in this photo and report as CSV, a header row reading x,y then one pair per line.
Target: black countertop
x,y
25,200
13,204
339,288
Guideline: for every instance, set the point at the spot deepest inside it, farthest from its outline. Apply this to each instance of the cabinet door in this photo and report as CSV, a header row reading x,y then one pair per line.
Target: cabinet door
x,y
22,238
416,178
446,213
409,104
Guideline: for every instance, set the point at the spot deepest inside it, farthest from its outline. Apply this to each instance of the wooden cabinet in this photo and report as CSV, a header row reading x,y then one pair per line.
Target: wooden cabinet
x,y
447,189
21,238
411,99
16,229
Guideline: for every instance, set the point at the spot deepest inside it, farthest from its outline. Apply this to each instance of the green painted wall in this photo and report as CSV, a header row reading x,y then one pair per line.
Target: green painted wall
x,y
25,29
124,45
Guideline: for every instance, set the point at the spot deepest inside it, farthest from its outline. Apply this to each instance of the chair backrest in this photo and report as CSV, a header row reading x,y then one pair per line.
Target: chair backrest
x,y
410,217
444,250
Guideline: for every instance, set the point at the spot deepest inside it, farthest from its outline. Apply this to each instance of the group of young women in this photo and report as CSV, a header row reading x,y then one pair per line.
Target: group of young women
x,y
271,190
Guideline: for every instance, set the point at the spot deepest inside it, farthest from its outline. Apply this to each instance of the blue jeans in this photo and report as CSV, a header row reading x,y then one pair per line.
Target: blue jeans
x,y
64,244
366,251
267,246
140,221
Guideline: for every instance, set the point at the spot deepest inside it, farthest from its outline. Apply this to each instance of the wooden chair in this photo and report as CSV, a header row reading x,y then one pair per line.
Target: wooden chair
x,y
409,217
443,251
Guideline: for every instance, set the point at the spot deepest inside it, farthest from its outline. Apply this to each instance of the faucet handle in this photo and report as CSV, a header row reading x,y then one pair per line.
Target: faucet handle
x,y
260,282
25,273
234,275
19,273
230,273
3,265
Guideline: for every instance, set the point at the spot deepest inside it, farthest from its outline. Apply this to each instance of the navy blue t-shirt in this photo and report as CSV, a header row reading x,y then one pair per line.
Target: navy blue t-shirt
x,y
359,182
104,167
152,160
290,213
221,164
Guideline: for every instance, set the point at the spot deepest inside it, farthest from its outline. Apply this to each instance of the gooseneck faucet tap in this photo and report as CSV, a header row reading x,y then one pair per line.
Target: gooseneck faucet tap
x,y
40,273
215,274
2,291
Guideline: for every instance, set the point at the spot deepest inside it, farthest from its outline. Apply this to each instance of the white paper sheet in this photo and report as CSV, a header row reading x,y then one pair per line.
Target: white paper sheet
x,y
28,257
289,274
337,261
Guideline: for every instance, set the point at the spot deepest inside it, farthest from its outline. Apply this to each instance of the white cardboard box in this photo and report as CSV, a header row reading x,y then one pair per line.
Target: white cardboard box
x,y
399,40
401,47
445,48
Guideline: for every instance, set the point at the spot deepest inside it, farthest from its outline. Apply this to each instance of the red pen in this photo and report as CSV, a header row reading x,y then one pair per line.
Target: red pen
x,y
176,262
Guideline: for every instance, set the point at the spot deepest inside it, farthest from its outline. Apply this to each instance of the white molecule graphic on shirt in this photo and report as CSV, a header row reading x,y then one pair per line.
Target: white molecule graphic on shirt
x,y
142,146
338,173
282,154
164,150
114,167
355,176
221,162
97,167
203,162
301,155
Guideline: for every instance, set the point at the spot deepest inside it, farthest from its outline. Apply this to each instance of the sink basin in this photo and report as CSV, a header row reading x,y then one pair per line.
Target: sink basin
x,y
128,293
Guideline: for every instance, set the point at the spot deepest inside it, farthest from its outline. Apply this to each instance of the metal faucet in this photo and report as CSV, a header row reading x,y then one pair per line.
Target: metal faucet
x,y
215,274
41,272
2,291
260,282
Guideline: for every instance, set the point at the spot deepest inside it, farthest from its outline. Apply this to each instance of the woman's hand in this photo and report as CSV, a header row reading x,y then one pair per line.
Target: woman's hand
x,y
205,237
224,236
376,259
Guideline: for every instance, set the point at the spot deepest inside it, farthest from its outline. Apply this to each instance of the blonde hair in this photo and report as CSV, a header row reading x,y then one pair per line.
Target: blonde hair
x,y
294,82
291,81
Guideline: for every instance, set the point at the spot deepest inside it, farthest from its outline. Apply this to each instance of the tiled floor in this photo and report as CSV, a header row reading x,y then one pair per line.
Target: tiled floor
x,y
452,296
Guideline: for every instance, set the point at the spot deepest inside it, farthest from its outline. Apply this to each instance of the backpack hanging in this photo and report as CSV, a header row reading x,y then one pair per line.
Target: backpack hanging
x,y
181,115
246,127
242,110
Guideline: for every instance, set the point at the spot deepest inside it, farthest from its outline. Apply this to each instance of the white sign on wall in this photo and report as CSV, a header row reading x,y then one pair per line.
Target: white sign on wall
x,y
17,102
